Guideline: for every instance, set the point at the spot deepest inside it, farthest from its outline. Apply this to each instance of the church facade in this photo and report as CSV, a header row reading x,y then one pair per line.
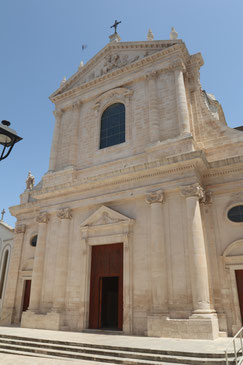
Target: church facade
x,y
137,225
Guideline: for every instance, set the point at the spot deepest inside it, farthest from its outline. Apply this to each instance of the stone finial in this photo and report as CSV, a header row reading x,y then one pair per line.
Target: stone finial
x,y
81,64
173,34
150,36
30,182
115,37
63,80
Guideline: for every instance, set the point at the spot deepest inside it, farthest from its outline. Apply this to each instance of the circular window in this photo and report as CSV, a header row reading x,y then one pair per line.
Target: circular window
x,y
235,214
33,241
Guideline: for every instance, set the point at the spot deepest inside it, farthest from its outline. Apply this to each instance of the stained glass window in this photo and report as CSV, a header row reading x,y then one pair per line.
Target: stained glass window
x,y
112,129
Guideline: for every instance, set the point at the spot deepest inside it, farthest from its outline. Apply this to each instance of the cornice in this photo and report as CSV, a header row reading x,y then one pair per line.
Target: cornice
x,y
167,165
62,94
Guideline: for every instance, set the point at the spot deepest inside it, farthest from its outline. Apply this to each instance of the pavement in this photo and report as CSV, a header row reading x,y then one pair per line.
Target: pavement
x,y
201,346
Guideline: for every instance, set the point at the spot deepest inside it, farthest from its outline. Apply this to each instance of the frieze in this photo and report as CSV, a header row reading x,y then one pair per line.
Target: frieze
x,y
65,213
20,228
155,197
43,217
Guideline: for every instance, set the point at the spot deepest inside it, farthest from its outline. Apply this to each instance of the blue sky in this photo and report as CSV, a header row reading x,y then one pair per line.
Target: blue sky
x,y
41,42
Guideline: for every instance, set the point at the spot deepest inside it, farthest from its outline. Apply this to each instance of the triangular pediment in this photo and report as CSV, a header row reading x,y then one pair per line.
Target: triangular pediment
x,y
105,216
112,57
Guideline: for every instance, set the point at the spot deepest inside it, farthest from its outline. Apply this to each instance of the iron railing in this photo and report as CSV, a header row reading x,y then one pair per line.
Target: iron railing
x,y
238,350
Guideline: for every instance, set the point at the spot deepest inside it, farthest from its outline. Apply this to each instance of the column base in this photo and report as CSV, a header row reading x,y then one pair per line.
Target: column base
x,y
6,316
191,328
49,321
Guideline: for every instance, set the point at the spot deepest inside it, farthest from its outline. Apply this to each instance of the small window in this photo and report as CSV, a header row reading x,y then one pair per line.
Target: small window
x,y
112,129
235,214
33,241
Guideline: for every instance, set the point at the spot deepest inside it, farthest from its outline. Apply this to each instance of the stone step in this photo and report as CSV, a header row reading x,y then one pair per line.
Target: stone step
x,y
118,348
107,356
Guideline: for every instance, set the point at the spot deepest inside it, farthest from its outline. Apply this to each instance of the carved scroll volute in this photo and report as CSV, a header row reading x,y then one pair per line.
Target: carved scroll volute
x,y
155,197
20,228
43,217
65,213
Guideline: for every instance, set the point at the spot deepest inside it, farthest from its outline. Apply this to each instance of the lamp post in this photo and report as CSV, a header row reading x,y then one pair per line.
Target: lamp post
x,y
8,138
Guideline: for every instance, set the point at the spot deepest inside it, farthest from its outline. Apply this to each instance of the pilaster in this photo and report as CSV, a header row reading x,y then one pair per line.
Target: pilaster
x,y
38,267
54,147
200,284
75,129
61,272
182,109
154,128
158,266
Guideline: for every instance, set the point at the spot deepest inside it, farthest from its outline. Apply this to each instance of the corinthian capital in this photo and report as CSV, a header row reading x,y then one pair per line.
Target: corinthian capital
x,y
152,75
193,190
65,213
43,217
20,228
178,65
154,197
76,106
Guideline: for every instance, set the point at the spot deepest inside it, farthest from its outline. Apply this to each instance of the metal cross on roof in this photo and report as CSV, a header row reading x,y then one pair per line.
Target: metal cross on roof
x,y
115,25
2,212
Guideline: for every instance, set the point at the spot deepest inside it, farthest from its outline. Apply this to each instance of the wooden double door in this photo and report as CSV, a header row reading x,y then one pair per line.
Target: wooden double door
x,y
106,287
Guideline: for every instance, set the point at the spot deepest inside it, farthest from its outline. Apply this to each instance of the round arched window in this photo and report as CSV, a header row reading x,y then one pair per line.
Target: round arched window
x,y
33,241
112,130
235,214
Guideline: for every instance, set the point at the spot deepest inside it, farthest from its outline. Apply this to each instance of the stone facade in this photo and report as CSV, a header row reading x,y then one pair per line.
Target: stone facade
x,y
164,193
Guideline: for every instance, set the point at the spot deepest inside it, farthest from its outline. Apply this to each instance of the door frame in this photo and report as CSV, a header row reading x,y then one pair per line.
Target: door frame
x,y
234,261
106,227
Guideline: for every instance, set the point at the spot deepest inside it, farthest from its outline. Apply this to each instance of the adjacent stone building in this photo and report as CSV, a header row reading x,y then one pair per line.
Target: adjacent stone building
x,y
137,225
6,246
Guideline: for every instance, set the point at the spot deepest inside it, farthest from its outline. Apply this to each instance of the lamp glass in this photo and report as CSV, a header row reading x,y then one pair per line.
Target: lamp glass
x,y
4,139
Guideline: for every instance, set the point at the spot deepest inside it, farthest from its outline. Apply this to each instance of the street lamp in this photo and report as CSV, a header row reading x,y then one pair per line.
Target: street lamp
x,y
8,138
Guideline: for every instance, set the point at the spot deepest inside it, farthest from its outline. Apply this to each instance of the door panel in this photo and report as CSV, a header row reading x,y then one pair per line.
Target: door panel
x,y
106,261
239,281
26,301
